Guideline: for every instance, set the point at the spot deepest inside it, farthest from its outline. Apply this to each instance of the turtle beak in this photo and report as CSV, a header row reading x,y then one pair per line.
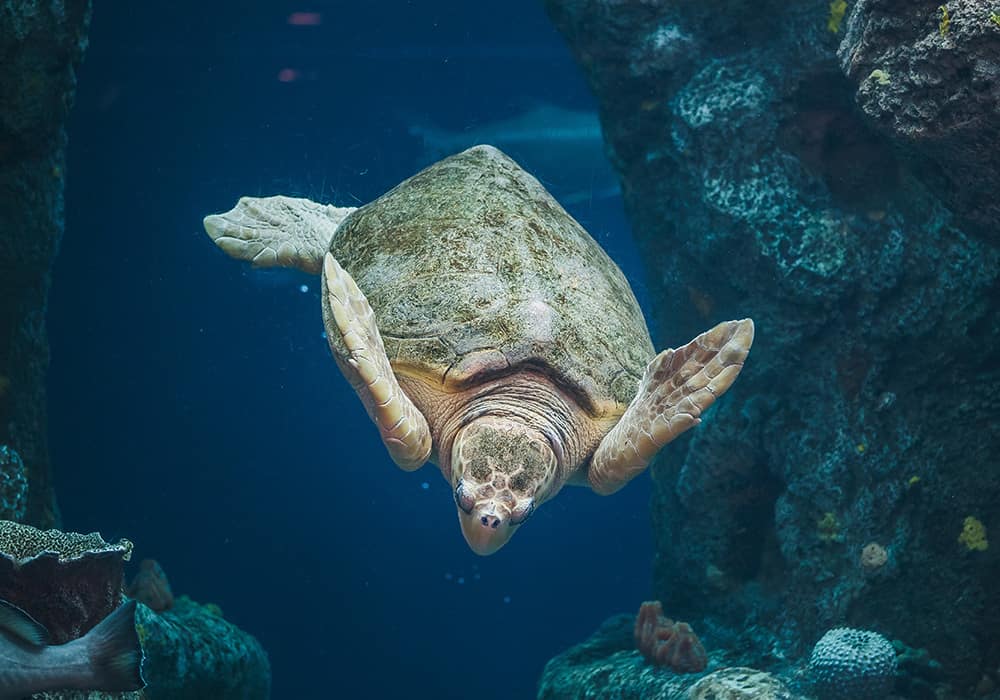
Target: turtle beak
x,y
486,528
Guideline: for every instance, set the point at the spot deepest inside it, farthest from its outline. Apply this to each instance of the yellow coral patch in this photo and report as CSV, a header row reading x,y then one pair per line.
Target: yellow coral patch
x,y
974,535
837,10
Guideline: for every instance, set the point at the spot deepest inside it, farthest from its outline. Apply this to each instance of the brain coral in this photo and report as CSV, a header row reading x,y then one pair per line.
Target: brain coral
x,y
852,664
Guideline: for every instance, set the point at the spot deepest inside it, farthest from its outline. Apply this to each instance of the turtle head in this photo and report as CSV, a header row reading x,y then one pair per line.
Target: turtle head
x,y
501,469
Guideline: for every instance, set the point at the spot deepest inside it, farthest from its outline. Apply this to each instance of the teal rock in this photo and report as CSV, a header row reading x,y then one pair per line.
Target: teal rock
x,y
13,485
607,666
192,652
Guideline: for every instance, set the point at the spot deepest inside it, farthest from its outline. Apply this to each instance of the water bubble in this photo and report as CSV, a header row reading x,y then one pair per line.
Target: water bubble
x,y
304,288
425,486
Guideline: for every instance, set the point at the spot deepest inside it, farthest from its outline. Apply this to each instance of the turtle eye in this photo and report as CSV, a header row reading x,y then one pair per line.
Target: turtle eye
x,y
522,512
463,499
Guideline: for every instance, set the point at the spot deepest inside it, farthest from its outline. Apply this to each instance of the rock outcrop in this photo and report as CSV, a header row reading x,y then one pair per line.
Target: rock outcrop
x,y
41,44
764,180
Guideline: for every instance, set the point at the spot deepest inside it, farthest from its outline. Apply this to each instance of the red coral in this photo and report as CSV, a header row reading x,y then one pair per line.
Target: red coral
x,y
667,643
150,587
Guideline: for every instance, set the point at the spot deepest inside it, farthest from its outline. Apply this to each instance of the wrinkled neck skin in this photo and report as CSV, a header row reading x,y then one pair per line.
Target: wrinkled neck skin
x,y
528,398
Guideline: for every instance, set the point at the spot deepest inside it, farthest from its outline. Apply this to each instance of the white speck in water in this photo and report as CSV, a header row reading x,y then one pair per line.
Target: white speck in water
x,y
304,288
447,576
425,486
506,599
475,576
323,335
461,580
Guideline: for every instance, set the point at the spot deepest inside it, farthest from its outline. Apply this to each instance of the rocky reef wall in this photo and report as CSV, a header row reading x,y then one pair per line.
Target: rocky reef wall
x,y
41,44
824,168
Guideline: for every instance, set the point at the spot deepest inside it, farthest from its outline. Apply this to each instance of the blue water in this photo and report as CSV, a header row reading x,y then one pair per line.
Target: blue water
x,y
195,408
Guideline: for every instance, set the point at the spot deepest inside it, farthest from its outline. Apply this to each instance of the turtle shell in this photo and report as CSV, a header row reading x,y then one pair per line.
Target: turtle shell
x,y
474,270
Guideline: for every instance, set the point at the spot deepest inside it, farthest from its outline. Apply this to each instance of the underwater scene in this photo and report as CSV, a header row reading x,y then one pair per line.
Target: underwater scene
x,y
555,349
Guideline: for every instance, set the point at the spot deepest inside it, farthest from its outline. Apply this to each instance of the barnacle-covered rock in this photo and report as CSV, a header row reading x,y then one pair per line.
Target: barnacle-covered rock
x,y
66,581
852,664
13,485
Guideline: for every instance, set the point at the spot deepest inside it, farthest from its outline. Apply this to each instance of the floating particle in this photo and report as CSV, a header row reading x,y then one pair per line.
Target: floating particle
x,y
304,288
425,486
461,580
448,576
506,599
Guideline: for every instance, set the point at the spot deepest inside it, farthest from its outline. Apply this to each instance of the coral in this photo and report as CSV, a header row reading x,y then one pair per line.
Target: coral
x,y
973,535
837,10
193,653
664,642
151,587
852,664
945,20
737,683
67,581
873,556
13,485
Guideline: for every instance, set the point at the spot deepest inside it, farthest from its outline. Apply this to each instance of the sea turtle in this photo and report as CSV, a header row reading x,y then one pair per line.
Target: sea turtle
x,y
484,330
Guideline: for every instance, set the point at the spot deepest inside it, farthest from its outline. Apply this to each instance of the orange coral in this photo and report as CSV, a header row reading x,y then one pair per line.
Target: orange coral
x,y
667,643
150,587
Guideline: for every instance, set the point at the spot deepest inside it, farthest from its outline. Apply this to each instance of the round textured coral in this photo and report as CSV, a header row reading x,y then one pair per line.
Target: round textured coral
x,y
852,664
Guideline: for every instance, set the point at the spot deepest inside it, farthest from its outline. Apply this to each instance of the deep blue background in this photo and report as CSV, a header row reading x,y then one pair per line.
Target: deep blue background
x,y
194,405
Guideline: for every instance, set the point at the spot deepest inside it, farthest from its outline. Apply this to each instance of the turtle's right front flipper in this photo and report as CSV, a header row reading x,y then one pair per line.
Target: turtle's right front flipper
x,y
357,345
277,231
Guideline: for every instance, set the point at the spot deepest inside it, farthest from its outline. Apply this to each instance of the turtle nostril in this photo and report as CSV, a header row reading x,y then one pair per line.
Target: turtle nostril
x,y
496,523
484,520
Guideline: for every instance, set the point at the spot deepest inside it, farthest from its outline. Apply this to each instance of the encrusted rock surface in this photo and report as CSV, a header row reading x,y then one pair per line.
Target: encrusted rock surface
x,y
607,666
936,94
867,410
192,652
41,44
13,485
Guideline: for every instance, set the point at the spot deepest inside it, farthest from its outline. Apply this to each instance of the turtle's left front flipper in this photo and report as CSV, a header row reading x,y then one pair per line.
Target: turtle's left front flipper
x,y
678,386
361,355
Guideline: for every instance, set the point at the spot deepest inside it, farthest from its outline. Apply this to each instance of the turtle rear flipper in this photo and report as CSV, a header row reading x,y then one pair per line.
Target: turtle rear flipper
x,y
678,386
277,231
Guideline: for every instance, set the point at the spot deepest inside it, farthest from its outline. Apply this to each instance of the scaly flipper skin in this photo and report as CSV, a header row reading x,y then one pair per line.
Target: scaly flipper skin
x,y
678,386
403,427
277,231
